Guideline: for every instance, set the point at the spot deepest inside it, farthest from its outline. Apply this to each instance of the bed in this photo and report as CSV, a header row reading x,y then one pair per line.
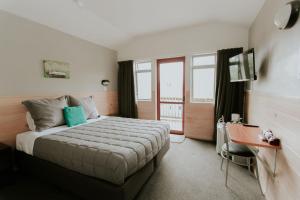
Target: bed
x,y
106,158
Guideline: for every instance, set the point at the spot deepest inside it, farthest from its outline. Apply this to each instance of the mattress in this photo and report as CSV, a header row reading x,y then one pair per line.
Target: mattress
x,y
110,149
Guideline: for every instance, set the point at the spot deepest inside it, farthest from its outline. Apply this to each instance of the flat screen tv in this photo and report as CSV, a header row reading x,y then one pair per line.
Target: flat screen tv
x,y
242,67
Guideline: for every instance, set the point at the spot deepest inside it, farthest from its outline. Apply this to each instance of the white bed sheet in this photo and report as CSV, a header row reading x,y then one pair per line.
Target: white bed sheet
x,y
25,141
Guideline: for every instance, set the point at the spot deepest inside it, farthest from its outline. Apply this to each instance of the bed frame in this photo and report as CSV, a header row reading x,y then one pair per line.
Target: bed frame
x,y
88,187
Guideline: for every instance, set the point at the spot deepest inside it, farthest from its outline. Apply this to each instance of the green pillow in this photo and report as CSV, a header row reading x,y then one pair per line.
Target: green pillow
x,y
74,115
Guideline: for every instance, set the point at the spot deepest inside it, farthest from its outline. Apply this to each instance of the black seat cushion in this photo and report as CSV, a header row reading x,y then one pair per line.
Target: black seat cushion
x,y
238,149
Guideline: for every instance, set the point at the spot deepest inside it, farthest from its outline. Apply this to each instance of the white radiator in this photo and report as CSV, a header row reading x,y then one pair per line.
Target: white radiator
x,y
220,136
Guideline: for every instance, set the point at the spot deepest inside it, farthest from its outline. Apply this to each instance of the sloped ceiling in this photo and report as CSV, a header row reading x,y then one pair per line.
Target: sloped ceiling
x,y
113,22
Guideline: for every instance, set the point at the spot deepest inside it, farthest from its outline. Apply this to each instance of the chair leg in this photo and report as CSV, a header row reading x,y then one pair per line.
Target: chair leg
x,y
222,163
227,165
256,169
249,165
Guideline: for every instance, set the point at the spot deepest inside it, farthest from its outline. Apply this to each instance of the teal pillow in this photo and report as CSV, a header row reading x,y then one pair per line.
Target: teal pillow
x,y
74,115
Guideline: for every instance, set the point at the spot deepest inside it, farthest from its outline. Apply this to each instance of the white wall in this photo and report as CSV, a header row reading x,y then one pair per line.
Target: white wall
x,y
277,53
203,38
275,99
25,44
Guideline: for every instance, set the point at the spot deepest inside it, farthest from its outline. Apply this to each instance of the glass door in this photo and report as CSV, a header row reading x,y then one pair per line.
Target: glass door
x,y
170,92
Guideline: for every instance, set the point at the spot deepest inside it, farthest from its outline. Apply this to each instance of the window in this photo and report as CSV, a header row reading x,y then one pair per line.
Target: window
x,y
203,78
143,84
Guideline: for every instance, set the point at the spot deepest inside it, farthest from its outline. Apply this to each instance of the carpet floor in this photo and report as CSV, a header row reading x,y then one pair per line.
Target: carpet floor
x,y
189,171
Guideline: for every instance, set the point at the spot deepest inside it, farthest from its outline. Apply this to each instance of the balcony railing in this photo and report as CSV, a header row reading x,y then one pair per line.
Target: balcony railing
x,y
171,110
172,113
171,99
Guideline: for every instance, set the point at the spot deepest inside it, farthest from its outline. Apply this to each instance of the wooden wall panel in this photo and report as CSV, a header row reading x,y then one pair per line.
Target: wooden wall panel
x,y
147,109
199,117
282,116
199,120
12,112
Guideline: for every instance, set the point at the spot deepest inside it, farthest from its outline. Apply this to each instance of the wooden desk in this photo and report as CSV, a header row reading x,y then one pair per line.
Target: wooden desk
x,y
249,136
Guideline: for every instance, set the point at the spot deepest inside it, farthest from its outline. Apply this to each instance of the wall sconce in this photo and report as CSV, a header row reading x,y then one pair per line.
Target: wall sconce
x,y
287,16
105,84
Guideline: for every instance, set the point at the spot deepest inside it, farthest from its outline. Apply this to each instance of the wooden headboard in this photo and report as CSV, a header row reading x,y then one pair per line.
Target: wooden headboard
x,y
12,112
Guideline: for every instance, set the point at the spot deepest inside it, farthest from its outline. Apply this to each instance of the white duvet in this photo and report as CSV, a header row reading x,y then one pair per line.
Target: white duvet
x,y
25,141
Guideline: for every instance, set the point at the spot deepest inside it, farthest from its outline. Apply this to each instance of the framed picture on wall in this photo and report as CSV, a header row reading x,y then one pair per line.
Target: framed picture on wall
x,y
56,69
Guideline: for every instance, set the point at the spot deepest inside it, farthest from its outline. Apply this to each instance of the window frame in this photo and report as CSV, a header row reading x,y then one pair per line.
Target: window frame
x,y
136,71
198,100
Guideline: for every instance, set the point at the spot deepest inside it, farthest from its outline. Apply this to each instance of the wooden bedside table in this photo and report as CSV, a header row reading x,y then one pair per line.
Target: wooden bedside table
x,y
6,165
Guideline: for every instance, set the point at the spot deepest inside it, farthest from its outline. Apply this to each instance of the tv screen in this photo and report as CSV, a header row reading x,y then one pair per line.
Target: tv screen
x,y
237,69
242,67
250,63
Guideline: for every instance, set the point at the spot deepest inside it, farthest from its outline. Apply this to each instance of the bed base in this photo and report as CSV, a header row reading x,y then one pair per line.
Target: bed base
x,y
84,186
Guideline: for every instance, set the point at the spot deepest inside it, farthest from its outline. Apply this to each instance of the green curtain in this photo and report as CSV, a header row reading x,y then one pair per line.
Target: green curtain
x,y
229,96
126,95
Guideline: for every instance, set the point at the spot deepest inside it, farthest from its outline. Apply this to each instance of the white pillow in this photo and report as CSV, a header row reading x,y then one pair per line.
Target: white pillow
x,y
30,122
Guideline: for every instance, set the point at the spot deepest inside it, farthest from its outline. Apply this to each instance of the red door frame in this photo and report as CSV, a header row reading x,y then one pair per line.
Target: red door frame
x,y
170,60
